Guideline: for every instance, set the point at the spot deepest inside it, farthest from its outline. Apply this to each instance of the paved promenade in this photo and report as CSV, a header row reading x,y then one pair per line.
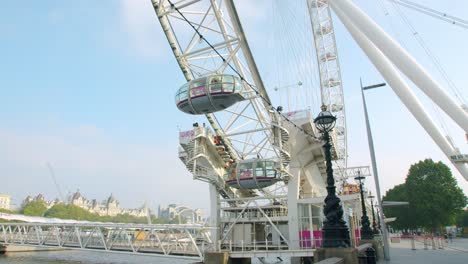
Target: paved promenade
x,y
455,252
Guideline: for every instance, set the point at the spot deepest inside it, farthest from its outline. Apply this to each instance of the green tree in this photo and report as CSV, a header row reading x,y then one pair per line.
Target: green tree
x,y
402,213
2,210
34,208
462,219
70,211
433,194
126,218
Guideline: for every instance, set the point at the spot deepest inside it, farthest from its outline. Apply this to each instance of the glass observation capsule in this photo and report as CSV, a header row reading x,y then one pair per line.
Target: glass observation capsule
x,y
209,94
252,174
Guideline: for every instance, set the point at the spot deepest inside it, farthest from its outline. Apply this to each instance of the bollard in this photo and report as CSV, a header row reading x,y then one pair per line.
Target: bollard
x,y
425,243
413,246
433,243
370,254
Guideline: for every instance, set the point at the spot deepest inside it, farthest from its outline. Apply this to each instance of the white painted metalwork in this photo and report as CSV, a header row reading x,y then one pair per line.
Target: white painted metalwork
x,y
330,75
399,86
171,241
207,38
352,172
216,21
403,60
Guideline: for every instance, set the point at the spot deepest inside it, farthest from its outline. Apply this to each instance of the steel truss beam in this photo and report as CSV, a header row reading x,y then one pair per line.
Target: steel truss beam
x,y
217,22
176,241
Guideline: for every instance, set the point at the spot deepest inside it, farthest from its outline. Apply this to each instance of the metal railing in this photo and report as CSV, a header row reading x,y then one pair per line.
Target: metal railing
x,y
268,245
179,241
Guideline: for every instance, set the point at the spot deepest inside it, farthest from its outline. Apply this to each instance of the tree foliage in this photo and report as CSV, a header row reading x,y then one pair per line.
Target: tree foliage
x,y
402,213
2,210
462,219
434,198
34,208
70,211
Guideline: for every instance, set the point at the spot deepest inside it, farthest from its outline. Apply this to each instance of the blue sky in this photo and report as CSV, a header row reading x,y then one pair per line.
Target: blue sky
x,y
88,86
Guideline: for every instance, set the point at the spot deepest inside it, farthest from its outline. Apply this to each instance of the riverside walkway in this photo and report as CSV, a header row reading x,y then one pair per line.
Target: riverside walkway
x,y
453,253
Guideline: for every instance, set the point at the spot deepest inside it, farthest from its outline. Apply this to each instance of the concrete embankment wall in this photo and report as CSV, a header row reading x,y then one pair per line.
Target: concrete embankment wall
x,y
14,248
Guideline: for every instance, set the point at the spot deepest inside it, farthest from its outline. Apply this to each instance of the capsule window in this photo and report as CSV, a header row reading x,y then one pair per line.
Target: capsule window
x,y
198,83
196,91
197,87
182,93
237,86
246,170
260,169
270,169
228,83
215,84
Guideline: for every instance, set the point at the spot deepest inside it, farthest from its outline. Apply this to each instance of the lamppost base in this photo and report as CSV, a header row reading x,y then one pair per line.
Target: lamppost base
x,y
349,255
367,234
336,236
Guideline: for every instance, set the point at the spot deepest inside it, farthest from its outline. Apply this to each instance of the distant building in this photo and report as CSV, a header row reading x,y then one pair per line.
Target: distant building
x,y
176,212
109,207
40,198
167,213
5,201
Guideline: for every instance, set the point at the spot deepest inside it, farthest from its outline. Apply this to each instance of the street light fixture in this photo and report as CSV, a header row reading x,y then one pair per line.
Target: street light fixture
x,y
366,231
335,231
374,168
374,224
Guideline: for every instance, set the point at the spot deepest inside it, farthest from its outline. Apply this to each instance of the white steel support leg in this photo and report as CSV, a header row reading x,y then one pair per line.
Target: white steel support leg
x,y
399,86
246,50
214,215
402,59
293,196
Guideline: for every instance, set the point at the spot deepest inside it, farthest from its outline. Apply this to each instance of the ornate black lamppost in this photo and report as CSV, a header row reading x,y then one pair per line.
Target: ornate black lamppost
x,y
374,224
335,231
366,231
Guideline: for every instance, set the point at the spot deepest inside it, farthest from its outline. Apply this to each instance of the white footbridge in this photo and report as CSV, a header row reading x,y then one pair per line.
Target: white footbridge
x,y
186,241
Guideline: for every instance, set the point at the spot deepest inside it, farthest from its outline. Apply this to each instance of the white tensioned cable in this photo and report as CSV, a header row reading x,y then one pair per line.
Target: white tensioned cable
x,y
433,13
395,32
296,55
435,60
239,74
436,63
403,43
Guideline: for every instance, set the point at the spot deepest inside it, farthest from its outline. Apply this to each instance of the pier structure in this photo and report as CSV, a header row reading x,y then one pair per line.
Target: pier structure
x,y
264,167
170,241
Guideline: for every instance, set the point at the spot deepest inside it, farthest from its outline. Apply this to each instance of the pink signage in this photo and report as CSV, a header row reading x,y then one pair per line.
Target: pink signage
x,y
308,241
197,91
186,134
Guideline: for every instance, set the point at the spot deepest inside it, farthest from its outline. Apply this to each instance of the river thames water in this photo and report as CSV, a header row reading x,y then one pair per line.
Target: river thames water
x,y
79,257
